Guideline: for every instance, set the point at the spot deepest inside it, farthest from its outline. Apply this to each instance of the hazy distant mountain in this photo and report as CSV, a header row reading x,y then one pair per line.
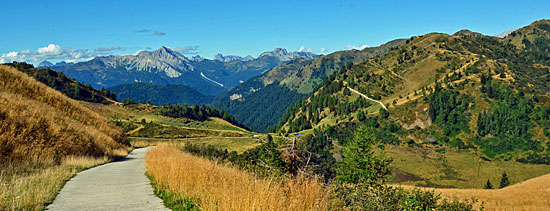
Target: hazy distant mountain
x,y
197,58
283,55
63,63
165,66
222,58
45,64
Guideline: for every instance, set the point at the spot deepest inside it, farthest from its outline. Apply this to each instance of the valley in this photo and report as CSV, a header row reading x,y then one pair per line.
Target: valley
x,y
436,121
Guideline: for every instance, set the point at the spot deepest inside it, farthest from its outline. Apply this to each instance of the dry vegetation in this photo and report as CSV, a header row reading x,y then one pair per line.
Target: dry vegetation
x,y
220,187
39,122
533,194
40,130
238,144
40,183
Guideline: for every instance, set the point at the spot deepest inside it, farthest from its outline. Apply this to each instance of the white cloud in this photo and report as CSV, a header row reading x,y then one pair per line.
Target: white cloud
x,y
349,47
310,50
159,33
110,48
505,33
189,50
51,49
11,54
55,52
304,49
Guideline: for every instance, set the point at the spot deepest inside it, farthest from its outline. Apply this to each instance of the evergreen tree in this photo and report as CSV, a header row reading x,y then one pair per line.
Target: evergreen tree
x,y
488,185
318,147
384,113
504,181
361,116
360,165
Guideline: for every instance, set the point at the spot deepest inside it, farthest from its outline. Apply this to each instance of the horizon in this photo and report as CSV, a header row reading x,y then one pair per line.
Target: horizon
x,y
74,32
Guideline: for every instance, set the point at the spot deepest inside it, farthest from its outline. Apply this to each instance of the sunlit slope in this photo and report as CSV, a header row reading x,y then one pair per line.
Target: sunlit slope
x,y
38,122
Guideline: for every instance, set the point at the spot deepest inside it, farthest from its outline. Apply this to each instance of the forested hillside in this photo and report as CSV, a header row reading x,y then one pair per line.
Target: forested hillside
x,y
465,90
262,100
160,94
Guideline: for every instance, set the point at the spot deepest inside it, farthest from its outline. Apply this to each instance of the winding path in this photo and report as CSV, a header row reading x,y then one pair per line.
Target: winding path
x,y
120,185
368,98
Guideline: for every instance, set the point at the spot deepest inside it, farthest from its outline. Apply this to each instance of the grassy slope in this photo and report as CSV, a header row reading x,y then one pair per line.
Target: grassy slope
x,y
159,129
45,138
58,126
453,168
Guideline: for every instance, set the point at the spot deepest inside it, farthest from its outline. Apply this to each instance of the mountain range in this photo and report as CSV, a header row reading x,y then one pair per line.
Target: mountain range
x,y
166,66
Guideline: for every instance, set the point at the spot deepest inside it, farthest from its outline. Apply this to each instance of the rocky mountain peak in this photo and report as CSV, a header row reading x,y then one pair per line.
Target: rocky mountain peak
x,y
283,55
222,58
45,64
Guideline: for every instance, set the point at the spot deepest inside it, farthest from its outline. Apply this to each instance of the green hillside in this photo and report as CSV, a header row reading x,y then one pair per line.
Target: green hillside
x,y
479,94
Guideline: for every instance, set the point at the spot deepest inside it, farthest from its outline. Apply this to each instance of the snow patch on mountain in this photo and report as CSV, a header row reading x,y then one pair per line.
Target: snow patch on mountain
x,y
220,84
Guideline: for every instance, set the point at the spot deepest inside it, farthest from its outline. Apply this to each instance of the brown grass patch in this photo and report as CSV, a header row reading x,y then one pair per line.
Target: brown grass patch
x,y
533,194
40,123
220,187
28,186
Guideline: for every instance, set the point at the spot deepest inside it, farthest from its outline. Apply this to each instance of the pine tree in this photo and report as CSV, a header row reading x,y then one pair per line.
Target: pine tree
x,y
320,160
360,165
361,116
488,185
504,181
384,113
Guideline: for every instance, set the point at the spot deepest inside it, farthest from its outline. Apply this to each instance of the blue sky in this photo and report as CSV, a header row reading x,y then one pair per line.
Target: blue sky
x,y
78,30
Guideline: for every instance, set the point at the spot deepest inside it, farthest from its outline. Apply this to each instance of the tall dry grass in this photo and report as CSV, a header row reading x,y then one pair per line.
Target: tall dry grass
x,y
29,186
220,187
39,122
533,194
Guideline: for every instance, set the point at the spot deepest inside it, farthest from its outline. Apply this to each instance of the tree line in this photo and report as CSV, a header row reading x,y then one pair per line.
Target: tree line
x,y
195,112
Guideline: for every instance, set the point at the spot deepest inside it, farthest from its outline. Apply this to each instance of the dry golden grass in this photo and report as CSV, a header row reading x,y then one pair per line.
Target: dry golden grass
x,y
238,144
533,194
28,186
41,132
219,187
40,122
